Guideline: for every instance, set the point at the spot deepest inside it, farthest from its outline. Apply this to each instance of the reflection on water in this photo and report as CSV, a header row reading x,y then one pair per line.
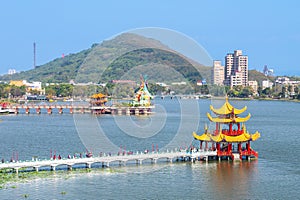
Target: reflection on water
x,y
226,180
231,178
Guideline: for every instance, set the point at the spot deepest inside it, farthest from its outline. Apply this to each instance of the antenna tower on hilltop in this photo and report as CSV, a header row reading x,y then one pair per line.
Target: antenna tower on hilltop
x,y
34,55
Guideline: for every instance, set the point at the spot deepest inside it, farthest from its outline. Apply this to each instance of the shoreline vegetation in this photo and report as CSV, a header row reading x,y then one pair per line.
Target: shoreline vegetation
x,y
259,99
68,92
9,179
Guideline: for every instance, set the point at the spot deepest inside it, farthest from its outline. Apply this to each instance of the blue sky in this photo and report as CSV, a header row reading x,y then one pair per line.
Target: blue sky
x,y
267,31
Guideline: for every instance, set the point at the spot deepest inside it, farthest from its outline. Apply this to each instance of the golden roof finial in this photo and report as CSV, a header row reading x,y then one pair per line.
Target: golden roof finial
x,y
205,128
226,98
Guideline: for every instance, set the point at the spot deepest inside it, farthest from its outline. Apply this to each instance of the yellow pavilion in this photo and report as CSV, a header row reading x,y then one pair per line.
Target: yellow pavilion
x,y
97,104
230,129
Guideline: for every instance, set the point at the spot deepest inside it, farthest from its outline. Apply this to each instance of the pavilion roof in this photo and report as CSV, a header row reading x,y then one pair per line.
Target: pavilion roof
x,y
98,96
207,137
232,119
227,108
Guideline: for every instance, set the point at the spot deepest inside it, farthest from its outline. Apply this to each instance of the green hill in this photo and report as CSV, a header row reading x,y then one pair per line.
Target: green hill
x,y
258,76
125,56
159,64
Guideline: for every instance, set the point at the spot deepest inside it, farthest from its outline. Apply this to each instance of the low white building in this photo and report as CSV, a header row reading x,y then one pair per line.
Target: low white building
x,y
266,84
253,85
161,84
286,81
34,85
11,71
179,83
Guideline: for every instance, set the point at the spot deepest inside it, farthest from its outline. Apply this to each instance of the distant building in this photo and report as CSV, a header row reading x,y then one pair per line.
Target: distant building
x,y
254,86
130,82
179,83
228,68
72,82
286,81
124,81
34,85
217,77
29,85
236,69
283,80
236,79
201,82
267,71
162,84
266,84
11,71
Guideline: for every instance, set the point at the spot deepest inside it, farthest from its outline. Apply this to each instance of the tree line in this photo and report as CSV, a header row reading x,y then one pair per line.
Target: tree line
x,y
127,91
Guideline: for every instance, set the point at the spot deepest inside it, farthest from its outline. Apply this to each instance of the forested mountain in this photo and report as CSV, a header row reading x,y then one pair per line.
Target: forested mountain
x,y
125,56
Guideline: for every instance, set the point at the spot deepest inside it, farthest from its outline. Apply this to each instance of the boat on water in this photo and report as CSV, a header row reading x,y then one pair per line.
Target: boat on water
x,y
3,111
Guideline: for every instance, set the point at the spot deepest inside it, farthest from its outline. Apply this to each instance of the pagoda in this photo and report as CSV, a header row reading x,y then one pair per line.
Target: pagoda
x,y
230,138
142,96
97,103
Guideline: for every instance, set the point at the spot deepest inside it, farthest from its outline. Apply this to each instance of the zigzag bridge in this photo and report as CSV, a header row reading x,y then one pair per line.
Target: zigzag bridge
x,y
105,160
67,108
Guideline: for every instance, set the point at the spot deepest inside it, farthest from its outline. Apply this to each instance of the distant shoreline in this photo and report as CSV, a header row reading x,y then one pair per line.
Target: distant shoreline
x,y
259,99
212,97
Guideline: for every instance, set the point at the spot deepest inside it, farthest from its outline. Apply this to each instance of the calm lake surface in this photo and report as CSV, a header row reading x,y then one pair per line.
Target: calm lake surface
x,y
275,175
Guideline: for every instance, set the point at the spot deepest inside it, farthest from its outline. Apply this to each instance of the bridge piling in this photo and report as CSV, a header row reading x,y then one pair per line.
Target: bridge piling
x,y
88,165
119,111
127,111
36,168
137,112
145,112
69,167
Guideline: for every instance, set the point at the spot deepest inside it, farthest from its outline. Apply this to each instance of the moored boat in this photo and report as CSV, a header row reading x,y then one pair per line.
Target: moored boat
x,y
4,111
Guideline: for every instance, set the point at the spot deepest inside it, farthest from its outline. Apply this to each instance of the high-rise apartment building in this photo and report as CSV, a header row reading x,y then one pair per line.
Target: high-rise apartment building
x,y
228,68
236,69
217,73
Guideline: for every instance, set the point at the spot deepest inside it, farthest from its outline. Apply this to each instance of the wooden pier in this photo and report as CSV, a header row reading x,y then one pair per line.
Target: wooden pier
x,y
106,160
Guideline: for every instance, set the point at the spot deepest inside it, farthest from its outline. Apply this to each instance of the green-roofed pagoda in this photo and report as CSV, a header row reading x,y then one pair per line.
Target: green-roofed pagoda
x,y
142,96
230,130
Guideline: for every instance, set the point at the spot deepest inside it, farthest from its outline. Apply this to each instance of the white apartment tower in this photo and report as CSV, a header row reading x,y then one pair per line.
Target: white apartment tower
x,y
217,73
236,69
